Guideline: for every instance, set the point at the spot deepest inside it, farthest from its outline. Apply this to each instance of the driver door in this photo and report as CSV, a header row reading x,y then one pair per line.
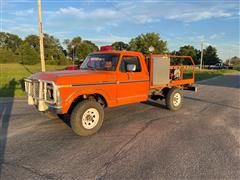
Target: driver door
x,y
131,86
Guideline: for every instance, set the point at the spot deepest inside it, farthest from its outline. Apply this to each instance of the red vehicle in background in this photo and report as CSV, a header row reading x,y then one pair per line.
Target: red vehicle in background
x,y
72,68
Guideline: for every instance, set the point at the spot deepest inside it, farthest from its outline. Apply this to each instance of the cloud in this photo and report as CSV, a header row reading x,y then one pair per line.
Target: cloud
x,y
79,18
144,19
146,13
71,11
217,36
22,29
24,12
7,21
82,13
192,16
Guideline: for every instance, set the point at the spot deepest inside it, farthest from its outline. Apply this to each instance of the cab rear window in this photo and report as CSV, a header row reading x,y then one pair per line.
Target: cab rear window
x,y
130,60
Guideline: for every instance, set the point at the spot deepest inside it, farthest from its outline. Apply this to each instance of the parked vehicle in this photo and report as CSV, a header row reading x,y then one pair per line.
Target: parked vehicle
x,y
218,66
106,79
75,67
72,68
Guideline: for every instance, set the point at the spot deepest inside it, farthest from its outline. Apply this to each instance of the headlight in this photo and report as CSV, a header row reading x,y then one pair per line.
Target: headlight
x,y
49,93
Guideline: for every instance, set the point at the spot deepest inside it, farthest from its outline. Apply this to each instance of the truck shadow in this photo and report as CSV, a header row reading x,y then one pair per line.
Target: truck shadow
x,y
65,118
155,103
6,105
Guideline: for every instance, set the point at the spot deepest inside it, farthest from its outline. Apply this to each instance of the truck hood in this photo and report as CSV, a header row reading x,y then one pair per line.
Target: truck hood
x,y
75,77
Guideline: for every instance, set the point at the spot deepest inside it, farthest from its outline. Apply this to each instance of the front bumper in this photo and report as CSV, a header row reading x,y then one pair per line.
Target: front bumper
x,y
43,94
55,109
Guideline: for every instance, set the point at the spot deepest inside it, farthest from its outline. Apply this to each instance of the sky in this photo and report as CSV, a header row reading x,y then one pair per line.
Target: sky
x,y
186,22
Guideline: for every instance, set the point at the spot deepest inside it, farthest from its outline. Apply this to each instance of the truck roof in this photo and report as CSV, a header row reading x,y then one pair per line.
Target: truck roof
x,y
118,52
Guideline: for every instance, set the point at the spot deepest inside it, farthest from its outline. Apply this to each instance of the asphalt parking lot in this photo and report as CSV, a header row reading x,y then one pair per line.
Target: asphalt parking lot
x,y
137,141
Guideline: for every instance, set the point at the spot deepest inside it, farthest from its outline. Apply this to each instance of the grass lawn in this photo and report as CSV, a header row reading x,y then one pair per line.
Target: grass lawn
x,y
206,74
11,76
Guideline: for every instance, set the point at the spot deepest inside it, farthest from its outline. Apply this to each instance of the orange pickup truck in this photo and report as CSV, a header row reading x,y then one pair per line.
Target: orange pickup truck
x,y
107,79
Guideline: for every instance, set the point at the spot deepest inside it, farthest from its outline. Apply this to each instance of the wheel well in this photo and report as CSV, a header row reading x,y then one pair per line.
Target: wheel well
x,y
98,97
165,91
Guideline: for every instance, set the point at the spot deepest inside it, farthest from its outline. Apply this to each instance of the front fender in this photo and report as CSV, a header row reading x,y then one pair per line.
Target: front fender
x,y
66,103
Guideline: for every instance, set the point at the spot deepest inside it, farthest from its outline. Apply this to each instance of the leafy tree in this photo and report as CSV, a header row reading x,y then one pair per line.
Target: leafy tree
x,y
53,51
11,41
33,41
119,45
210,56
189,50
76,41
77,48
73,46
29,55
142,43
233,61
85,48
7,55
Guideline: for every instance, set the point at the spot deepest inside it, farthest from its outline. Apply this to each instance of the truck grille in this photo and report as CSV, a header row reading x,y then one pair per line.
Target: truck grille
x,y
35,89
41,90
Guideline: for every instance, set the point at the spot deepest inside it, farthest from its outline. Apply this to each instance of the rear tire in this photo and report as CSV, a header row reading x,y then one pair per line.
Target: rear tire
x,y
174,99
87,118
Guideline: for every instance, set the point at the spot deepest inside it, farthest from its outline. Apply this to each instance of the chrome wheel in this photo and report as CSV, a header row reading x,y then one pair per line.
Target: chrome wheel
x,y
90,118
177,99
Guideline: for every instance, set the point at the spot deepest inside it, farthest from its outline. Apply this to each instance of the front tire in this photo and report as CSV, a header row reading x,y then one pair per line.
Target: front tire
x,y
87,118
174,99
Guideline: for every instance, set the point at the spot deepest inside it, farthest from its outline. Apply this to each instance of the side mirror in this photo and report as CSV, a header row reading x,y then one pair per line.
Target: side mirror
x,y
131,67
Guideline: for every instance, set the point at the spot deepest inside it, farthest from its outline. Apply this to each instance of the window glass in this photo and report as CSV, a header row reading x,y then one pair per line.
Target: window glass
x,y
105,62
130,60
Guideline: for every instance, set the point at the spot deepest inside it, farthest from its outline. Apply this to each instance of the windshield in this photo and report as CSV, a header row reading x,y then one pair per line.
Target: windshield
x,y
105,62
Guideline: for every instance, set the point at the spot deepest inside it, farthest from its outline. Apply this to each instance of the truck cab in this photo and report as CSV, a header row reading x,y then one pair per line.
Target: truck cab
x,y
106,79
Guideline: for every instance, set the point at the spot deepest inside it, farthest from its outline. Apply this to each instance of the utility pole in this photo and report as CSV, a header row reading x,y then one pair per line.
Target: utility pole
x,y
201,61
73,54
41,36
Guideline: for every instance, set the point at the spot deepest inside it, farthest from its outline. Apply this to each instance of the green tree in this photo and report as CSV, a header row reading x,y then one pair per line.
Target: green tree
x,y
189,50
233,61
85,48
53,51
7,55
10,41
29,55
119,45
73,46
210,56
142,43
33,41
78,48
